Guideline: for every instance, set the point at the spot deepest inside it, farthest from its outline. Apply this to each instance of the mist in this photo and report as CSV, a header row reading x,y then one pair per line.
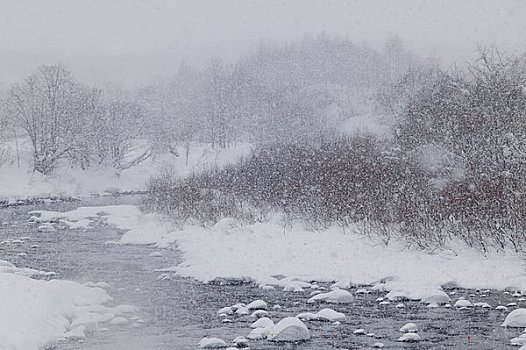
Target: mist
x,y
133,42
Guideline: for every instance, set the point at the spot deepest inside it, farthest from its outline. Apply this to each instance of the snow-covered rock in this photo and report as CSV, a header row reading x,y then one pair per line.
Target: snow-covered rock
x,y
259,314
258,333
360,331
519,341
225,310
242,311
409,338
289,329
409,328
257,305
436,297
425,295
212,343
237,306
334,296
516,318
263,322
342,284
76,334
330,315
307,316
482,304
378,345
240,341
463,303
362,291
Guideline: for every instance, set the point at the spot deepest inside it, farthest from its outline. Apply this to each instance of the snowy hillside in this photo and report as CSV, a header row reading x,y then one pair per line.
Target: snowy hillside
x,y
67,180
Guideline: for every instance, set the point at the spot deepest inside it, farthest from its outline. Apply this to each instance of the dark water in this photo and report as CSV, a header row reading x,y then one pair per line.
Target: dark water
x,y
178,312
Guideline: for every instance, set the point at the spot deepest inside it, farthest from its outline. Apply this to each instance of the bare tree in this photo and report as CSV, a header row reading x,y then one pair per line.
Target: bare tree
x,y
49,106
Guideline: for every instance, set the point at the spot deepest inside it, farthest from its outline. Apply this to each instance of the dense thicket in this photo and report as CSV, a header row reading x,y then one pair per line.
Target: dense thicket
x,y
455,167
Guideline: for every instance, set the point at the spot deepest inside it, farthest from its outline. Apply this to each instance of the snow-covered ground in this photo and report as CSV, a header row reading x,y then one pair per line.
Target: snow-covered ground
x,y
21,183
264,250
35,314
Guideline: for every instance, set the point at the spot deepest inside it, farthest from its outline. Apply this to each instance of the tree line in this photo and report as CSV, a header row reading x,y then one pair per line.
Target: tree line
x,y
299,92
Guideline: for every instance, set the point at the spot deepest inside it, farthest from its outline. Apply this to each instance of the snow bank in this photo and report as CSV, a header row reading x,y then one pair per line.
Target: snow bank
x,y
35,313
263,250
125,217
21,183
260,251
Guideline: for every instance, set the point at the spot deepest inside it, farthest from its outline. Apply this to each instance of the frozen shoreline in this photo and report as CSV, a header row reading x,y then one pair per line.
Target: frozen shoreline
x,y
261,251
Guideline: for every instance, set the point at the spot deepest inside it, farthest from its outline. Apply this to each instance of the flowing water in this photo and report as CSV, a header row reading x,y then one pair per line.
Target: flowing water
x,y
178,312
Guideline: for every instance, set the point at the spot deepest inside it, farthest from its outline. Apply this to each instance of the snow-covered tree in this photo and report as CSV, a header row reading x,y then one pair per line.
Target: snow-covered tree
x,y
51,108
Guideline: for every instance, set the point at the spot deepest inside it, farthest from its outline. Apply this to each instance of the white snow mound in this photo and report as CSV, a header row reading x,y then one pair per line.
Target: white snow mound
x,y
212,343
516,318
257,305
409,338
289,329
409,328
337,296
263,322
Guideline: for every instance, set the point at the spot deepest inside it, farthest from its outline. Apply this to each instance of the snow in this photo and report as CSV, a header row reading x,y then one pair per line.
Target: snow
x,y
260,251
263,322
212,343
257,305
322,315
259,314
463,303
409,328
21,183
240,341
225,310
289,329
409,337
426,295
519,341
516,318
330,315
36,313
258,333
339,296
242,311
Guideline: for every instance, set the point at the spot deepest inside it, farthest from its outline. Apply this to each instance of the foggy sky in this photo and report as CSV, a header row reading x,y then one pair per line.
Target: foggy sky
x,y
131,42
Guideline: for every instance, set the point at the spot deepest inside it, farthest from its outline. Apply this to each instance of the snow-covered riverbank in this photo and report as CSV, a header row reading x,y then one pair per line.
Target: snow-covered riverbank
x,y
36,313
262,251
18,182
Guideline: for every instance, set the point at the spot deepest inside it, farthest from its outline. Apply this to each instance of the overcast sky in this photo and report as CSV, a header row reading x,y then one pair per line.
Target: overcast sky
x,y
132,41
